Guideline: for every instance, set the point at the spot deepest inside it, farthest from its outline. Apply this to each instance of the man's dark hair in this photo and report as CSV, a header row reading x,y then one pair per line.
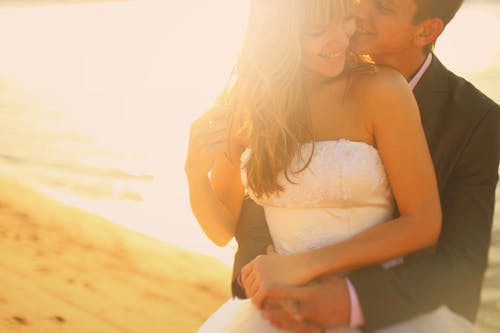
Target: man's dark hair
x,y
441,9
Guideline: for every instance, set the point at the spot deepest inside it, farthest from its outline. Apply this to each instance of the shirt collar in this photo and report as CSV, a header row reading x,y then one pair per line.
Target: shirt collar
x,y
413,82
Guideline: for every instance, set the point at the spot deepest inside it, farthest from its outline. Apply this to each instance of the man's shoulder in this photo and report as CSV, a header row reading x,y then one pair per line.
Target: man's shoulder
x,y
452,108
463,95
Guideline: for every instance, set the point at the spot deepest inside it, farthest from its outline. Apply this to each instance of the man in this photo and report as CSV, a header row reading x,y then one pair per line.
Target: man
x,y
462,129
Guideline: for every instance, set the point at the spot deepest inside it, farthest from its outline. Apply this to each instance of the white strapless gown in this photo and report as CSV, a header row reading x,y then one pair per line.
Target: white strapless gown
x,y
343,191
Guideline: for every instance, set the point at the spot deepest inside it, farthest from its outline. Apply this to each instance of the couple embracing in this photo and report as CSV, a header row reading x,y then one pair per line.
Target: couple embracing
x,y
371,180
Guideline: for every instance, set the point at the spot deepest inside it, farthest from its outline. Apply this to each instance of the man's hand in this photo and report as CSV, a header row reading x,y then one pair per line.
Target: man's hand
x,y
279,317
324,303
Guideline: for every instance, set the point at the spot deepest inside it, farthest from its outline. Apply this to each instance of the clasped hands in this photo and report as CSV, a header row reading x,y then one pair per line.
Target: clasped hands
x,y
280,287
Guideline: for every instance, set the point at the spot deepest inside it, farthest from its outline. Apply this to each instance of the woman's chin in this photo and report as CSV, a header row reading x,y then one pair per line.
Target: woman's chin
x,y
334,69
324,74
333,72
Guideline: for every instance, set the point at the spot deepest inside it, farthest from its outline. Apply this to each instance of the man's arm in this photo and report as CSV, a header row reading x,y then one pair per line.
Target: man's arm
x,y
323,303
253,238
453,274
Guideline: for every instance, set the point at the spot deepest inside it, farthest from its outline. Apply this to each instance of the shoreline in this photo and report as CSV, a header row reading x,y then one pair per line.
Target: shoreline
x,y
65,270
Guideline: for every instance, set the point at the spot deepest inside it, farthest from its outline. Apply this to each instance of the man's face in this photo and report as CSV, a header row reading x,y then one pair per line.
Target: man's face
x,y
385,28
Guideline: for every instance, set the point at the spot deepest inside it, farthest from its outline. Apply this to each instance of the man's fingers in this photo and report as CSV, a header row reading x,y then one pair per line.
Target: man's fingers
x,y
304,327
294,308
287,292
279,318
272,303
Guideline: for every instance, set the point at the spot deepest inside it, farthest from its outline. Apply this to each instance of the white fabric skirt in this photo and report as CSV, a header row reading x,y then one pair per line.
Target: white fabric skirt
x,y
241,316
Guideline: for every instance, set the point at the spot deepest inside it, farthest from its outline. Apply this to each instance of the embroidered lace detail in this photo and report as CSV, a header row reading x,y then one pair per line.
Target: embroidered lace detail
x,y
341,172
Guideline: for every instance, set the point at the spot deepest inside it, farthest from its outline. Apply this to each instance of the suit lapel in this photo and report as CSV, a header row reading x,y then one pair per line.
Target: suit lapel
x,y
431,94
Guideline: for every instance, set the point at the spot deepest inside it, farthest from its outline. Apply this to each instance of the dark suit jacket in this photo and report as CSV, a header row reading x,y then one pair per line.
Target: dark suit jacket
x,y
463,132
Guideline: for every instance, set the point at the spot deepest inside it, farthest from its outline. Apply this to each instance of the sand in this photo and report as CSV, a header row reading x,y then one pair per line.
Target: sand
x,y
64,270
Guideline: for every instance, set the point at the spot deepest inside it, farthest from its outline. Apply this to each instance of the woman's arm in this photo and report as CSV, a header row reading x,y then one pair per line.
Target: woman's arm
x,y
401,143
215,201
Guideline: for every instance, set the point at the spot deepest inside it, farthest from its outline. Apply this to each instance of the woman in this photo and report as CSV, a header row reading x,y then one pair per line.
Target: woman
x,y
326,144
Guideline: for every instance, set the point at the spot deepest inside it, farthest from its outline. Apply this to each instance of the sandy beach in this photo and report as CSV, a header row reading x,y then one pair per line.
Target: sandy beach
x,y
95,107
64,270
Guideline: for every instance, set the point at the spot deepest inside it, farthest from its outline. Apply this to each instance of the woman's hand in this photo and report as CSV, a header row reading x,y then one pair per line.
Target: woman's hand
x,y
208,137
270,270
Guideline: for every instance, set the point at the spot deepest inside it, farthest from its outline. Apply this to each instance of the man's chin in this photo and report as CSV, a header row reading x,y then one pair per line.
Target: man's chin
x,y
359,49
361,45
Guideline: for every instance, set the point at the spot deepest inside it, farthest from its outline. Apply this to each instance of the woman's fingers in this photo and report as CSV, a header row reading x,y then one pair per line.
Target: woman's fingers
x,y
218,114
260,295
245,272
215,117
206,128
254,285
208,138
217,126
220,109
270,250
257,289
250,285
209,133
214,137
212,140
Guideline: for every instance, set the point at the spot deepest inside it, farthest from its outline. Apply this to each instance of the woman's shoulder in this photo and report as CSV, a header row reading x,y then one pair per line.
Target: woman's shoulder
x,y
383,94
381,80
382,85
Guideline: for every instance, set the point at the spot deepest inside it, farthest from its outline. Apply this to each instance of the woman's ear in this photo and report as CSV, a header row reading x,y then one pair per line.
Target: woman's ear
x,y
428,32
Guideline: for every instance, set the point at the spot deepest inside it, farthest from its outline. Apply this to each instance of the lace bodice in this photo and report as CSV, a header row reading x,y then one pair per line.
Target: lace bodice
x,y
343,191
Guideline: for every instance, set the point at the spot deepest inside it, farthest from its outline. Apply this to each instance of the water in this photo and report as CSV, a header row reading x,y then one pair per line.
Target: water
x,y
96,100
95,111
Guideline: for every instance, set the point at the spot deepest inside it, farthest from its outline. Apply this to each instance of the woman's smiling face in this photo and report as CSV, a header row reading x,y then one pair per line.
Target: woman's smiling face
x,y
324,48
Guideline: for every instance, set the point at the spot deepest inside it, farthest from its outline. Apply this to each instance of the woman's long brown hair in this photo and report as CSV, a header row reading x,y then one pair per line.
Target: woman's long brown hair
x,y
269,93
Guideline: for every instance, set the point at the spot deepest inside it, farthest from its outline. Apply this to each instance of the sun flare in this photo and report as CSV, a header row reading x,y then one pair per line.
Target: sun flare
x,y
127,77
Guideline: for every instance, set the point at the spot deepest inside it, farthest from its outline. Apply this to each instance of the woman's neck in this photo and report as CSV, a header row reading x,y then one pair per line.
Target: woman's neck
x,y
314,82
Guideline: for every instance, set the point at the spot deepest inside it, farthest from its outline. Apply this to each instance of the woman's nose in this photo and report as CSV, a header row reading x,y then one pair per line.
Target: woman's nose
x,y
360,9
339,35
350,27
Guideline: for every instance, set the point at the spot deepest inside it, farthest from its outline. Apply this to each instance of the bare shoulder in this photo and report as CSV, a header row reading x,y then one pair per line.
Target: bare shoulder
x,y
380,83
382,92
